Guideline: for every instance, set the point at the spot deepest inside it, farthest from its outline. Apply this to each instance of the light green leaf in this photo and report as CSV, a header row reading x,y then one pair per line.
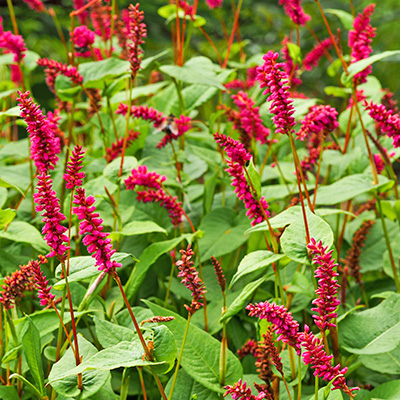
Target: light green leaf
x,y
110,334
345,18
164,348
253,178
6,216
111,171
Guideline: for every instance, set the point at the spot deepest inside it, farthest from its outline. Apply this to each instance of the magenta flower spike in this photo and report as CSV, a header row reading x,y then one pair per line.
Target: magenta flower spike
x,y
96,241
83,38
143,112
387,120
46,200
13,44
140,177
190,278
319,119
327,301
44,145
214,3
276,82
284,324
312,58
294,11
360,39
240,391
72,175
250,117
321,363
136,35
46,298
36,5
116,147
78,4
238,157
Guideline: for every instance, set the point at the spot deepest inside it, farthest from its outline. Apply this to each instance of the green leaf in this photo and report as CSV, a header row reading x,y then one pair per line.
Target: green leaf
x,y
109,334
140,91
239,301
9,393
386,391
30,60
169,13
362,64
384,363
147,259
22,232
186,388
96,72
11,112
349,187
200,358
325,393
139,228
14,173
31,347
192,75
255,261
293,239
254,177
64,380
111,171
380,327
223,232
294,52
28,385
164,348
146,62
6,216
65,89
345,18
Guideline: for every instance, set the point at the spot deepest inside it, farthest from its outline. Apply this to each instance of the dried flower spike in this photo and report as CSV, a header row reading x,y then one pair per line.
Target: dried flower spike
x,y
220,273
157,319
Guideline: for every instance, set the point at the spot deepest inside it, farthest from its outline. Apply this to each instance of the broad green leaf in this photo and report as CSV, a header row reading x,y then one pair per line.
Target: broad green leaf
x,y
223,232
146,62
345,18
83,267
111,171
147,259
96,72
192,75
22,232
11,112
164,348
6,59
362,64
327,394
138,228
253,178
238,303
16,150
200,358
109,334
384,363
255,261
293,240
380,327
15,174
6,216
9,393
31,347
65,89
139,91
386,391
294,52
186,388
349,187
64,381
30,60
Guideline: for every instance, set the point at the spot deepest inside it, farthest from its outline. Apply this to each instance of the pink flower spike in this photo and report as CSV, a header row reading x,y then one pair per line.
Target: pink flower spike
x,y
276,82
14,44
82,38
46,200
143,112
36,5
360,39
96,241
46,298
312,58
78,4
72,175
315,356
214,3
327,301
239,391
140,177
284,324
295,12
44,144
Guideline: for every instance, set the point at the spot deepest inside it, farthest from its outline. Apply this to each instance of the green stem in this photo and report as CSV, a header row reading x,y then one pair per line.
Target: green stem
x,y
299,379
178,363
316,388
224,346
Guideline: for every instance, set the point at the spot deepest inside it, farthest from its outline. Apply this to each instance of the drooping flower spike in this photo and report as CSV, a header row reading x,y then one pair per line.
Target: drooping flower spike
x,y
327,301
54,233
276,82
96,241
44,145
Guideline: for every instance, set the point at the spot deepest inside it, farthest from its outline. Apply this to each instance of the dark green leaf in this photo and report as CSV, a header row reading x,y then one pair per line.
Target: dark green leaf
x,y
164,348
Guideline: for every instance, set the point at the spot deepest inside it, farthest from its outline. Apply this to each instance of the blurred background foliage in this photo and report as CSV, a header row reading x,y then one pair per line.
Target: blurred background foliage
x,y
263,25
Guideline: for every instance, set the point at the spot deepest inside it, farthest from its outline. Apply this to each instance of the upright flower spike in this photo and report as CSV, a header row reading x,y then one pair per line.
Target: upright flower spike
x,y
96,241
312,58
46,298
100,16
190,278
294,11
136,33
72,175
219,273
387,120
151,181
321,363
214,3
54,68
276,82
360,39
269,347
238,157
36,5
44,146
116,147
240,391
249,117
13,44
284,324
82,38
327,301
46,200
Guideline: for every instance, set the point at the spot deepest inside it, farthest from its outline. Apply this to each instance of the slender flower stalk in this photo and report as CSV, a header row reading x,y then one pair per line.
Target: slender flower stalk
x,y
321,362
44,145
284,324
